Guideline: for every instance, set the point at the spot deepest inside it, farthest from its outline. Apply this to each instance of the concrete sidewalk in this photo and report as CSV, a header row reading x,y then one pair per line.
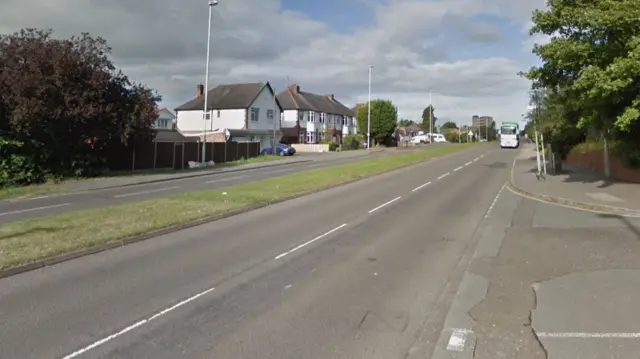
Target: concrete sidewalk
x,y
547,282
573,186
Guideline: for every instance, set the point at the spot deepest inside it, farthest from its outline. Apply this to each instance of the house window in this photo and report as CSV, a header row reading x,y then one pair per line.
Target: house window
x,y
218,113
312,116
270,114
300,116
163,123
311,137
255,114
322,117
206,116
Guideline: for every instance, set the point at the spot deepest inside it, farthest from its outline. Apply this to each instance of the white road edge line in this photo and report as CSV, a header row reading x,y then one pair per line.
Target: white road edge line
x,y
590,335
444,175
385,204
457,169
495,200
311,241
421,187
137,324
145,192
34,209
225,179
468,163
475,159
458,340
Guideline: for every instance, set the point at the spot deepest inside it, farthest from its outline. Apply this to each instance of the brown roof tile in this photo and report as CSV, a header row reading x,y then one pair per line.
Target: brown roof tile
x,y
227,97
294,99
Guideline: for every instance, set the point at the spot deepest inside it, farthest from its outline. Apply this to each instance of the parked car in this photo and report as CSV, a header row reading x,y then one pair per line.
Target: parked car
x,y
281,150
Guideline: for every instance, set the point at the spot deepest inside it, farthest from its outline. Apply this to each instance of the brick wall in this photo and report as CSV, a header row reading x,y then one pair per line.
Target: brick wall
x,y
595,162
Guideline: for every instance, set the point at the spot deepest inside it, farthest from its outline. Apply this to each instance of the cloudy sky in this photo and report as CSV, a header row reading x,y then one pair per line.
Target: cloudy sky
x,y
468,52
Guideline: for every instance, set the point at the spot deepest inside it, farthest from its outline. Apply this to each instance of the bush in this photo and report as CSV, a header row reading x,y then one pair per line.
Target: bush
x,y
18,167
333,146
352,142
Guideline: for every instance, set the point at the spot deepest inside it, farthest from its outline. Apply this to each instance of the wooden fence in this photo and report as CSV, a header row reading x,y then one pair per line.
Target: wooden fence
x,y
177,155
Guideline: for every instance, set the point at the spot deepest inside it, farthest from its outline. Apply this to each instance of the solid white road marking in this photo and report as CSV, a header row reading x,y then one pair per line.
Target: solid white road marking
x,y
457,169
590,335
34,209
225,179
495,200
311,241
444,175
475,159
481,156
137,324
145,192
457,340
421,187
385,204
468,163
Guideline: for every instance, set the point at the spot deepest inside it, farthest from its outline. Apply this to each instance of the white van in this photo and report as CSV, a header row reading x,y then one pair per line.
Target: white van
x,y
438,138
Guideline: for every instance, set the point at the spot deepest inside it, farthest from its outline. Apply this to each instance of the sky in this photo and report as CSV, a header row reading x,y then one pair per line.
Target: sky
x,y
467,53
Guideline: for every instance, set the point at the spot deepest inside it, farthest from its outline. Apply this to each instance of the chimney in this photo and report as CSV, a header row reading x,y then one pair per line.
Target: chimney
x,y
294,88
199,90
330,96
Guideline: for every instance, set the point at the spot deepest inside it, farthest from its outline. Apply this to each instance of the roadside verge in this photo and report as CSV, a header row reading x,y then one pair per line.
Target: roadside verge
x,y
35,243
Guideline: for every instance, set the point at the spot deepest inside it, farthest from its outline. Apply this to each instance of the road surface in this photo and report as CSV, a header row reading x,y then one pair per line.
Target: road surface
x,y
13,210
367,270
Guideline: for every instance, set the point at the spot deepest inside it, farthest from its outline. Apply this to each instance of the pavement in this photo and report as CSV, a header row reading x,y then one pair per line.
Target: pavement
x,y
366,270
575,186
112,194
547,282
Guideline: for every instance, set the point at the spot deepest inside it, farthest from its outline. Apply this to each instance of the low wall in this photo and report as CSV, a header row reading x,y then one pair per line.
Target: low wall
x,y
595,162
300,147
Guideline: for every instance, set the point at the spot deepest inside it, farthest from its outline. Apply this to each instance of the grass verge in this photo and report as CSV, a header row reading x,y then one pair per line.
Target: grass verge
x,y
25,241
46,189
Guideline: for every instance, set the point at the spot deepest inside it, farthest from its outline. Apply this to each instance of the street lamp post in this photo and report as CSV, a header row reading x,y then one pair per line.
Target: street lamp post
x,y
369,112
430,116
205,111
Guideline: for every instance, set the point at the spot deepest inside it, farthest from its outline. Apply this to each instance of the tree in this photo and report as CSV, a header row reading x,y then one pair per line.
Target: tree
x,y
449,125
405,122
384,117
594,59
428,114
63,106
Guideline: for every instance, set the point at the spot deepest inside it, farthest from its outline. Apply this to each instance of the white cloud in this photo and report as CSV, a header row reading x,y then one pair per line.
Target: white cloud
x,y
163,44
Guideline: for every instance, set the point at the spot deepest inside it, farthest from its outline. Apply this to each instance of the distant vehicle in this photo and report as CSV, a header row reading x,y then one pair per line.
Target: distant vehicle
x,y
509,135
420,139
281,150
438,138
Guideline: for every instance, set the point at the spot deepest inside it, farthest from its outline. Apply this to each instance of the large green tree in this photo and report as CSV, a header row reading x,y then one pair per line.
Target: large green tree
x,y
594,54
384,117
429,118
449,125
64,107
403,122
593,58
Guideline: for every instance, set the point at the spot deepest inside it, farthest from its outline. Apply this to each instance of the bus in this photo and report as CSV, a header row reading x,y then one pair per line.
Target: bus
x,y
509,135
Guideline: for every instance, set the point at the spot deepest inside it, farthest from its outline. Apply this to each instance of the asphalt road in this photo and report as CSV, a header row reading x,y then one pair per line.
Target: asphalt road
x,y
361,271
38,207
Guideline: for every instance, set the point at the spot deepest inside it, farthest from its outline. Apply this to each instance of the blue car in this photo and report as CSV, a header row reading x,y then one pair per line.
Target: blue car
x,y
281,150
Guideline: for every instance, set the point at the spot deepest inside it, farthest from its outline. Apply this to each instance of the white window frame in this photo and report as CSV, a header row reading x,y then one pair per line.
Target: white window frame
x,y
206,116
270,115
255,114
312,117
322,118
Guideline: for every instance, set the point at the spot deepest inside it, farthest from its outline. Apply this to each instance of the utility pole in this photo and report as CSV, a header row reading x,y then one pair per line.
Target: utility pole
x,y
275,118
369,112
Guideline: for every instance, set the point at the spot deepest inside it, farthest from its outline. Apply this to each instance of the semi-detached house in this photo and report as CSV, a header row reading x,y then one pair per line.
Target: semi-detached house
x,y
313,118
248,112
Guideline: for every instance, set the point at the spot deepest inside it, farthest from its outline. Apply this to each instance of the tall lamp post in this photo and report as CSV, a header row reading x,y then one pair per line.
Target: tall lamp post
x,y
369,112
205,111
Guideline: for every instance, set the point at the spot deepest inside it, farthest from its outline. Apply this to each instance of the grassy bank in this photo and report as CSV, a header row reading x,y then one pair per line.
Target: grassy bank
x,y
25,241
50,188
